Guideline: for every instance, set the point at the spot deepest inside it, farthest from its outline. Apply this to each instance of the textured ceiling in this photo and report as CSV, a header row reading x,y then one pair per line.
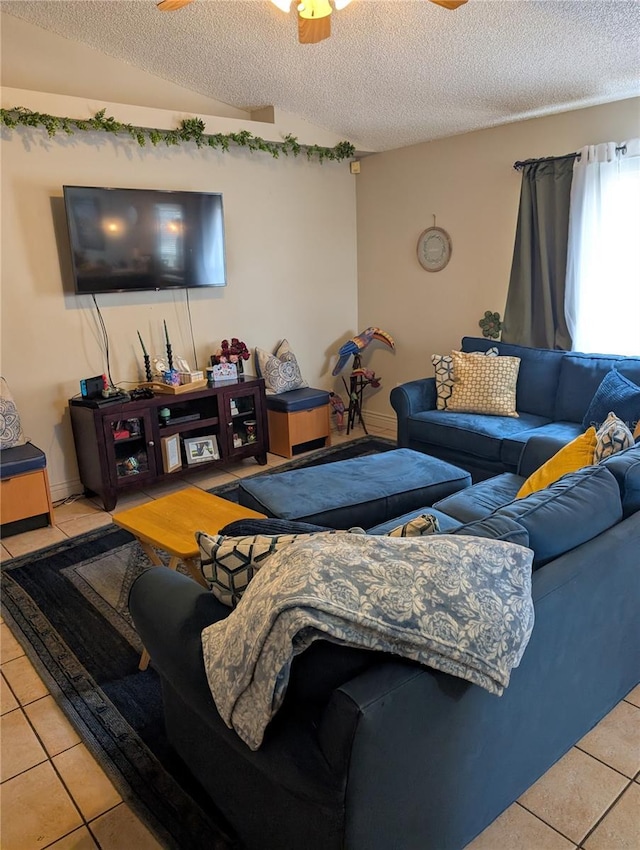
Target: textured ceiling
x,y
392,74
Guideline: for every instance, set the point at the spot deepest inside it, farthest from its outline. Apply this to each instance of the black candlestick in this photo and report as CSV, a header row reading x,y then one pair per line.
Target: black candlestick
x,y
147,367
169,354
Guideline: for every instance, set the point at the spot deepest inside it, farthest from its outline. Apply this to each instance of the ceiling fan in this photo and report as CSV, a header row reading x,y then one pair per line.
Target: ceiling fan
x,y
314,16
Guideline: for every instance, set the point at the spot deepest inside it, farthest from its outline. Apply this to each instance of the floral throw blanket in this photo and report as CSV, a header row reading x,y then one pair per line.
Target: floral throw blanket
x,y
459,604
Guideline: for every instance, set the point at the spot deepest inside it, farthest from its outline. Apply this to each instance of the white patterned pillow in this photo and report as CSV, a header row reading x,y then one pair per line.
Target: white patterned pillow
x,y
611,437
11,433
423,524
280,370
443,366
484,384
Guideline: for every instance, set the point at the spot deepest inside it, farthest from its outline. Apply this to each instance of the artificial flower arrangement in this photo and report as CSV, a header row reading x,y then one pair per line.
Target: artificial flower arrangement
x,y
231,352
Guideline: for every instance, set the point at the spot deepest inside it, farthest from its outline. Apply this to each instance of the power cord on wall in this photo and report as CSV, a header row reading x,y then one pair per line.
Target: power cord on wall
x,y
105,341
105,338
193,342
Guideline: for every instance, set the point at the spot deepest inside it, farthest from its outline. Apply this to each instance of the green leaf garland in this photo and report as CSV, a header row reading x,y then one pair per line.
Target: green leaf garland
x,y
189,130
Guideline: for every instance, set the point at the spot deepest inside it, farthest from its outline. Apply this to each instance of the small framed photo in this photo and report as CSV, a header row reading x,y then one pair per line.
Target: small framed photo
x,y
201,449
171,460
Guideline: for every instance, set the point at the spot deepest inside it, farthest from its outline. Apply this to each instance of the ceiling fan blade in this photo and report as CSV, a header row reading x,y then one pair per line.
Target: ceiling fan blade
x,y
313,30
172,5
449,4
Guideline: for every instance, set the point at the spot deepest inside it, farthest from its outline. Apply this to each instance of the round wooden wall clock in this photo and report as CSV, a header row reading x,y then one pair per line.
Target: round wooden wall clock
x,y
434,249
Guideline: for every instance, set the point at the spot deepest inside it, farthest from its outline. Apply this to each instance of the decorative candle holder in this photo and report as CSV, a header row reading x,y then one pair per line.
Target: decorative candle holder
x,y
147,368
169,351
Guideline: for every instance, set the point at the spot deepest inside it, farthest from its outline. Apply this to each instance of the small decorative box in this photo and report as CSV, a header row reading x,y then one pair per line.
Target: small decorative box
x,y
225,372
190,377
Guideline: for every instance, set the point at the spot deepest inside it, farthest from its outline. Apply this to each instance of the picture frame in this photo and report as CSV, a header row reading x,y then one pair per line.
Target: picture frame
x,y
201,449
171,460
434,249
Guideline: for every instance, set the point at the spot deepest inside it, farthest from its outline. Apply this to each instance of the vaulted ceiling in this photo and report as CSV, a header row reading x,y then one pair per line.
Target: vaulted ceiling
x,y
392,73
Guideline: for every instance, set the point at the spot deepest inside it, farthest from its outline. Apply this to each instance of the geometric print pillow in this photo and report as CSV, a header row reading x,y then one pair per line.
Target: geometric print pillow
x,y
11,433
443,367
612,436
229,563
484,384
280,371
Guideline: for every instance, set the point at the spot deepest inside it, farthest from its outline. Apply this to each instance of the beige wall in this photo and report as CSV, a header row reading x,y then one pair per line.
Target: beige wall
x,y
291,267
34,58
469,184
291,238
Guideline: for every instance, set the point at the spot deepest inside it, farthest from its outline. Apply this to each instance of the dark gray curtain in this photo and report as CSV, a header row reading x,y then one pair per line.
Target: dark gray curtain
x,y
534,313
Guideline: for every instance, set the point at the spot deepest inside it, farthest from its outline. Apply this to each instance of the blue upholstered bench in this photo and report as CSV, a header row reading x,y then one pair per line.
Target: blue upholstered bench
x,y
24,489
363,491
298,417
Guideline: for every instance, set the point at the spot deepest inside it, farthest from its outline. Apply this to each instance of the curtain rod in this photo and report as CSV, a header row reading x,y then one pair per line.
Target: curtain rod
x,y
575,155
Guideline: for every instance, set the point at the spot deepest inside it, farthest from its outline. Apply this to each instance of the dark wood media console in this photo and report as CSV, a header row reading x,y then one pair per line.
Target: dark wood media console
x,y
126,445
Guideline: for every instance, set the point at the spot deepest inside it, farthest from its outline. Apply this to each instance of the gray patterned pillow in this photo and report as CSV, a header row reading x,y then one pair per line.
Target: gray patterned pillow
x,y
611,437
280,370
423,524
11,433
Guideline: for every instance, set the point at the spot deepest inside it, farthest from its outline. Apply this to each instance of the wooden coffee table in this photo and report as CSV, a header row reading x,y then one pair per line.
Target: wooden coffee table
x,y
170,524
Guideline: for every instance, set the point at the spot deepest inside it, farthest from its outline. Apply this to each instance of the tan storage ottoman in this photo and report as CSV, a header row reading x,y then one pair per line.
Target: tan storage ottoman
x,y
298,417
24,489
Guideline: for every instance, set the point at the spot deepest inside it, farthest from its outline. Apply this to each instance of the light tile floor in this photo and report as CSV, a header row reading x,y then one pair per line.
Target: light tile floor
x,y
54,794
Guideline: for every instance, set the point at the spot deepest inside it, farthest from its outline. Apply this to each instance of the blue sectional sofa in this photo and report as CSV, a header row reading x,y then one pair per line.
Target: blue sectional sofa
x,y
371,752
554,391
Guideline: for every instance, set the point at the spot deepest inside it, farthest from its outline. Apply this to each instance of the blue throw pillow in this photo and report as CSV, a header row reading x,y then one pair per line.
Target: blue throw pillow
x,y
618,394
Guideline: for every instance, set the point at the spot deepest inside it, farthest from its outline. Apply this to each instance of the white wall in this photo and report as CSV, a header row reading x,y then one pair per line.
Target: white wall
x,y
291,267
469,184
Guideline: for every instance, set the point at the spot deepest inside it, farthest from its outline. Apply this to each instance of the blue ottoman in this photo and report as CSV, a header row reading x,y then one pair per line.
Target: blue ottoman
x,y
364,491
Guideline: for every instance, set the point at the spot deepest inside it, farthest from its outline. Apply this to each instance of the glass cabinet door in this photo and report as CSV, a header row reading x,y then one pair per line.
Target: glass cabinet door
x,y
130,447
244,420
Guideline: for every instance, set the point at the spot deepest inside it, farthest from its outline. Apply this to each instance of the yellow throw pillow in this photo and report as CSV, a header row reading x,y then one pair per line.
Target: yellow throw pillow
x,y
484,384
573,456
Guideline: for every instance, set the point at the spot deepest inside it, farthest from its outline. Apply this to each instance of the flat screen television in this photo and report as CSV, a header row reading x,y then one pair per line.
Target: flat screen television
x,y
135,239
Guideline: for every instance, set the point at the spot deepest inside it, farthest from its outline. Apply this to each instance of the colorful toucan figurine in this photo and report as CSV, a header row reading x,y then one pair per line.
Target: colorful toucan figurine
x,y
337,406
368,376
358,343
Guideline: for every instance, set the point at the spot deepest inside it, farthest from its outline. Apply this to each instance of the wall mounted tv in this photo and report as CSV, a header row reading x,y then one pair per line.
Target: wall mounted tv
x,y
134,239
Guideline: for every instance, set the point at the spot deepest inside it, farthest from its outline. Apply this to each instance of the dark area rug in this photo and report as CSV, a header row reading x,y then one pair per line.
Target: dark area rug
x,y
67,606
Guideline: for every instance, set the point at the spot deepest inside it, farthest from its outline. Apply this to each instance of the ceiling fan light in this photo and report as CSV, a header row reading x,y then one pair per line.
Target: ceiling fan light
x,y
313,30
314,9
